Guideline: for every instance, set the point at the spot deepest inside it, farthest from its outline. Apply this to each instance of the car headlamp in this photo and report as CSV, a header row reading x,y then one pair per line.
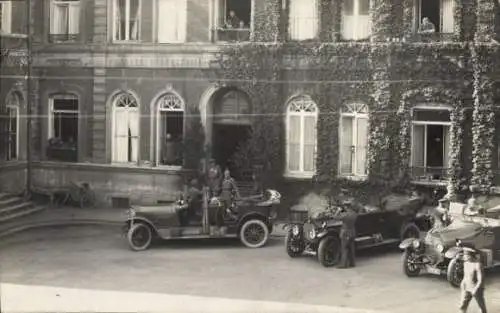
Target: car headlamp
x,y
416,244
439,248
295,230
312,233
131,212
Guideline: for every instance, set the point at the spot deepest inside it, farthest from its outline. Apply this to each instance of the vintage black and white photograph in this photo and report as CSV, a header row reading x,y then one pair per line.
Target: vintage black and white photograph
x,y
250,156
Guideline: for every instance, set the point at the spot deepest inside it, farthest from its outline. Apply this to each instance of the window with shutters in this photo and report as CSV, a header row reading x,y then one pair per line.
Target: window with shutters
x,y
430,158
356,24
170,130
5,17
441,13
125,128
9,127
172,21
303,19
353,139
126,20
63,128
301,120
64,20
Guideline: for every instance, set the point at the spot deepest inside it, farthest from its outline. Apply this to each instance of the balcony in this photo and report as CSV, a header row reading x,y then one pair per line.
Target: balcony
x,y
428,175
222,34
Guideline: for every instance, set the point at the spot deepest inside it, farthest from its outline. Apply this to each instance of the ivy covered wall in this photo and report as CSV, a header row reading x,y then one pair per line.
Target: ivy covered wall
x,y
390,75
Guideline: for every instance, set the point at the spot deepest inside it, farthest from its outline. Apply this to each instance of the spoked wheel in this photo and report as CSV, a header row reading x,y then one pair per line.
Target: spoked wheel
x,y
254,234
293,249
139,237
329,251
455,272
410,266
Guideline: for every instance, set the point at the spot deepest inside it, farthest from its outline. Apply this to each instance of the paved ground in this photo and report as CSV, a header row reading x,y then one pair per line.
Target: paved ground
x,y
98,258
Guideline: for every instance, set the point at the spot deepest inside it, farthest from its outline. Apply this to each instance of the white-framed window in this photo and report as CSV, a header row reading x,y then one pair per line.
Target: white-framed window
x,y
430,158
5,17
356,23
172,21
169,130
301,141
64,19
441,13
63,127
126,20
125,147
353,139
232,20
303,19
9,127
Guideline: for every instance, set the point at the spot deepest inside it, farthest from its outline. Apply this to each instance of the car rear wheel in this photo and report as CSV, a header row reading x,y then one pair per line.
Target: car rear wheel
x,y
139,237
410,266
254,234
410,230
293,249
455,272
329,251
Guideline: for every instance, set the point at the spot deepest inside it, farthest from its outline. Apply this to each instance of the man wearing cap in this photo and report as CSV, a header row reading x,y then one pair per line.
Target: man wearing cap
x,y
441,214
214,178
348,235
472,285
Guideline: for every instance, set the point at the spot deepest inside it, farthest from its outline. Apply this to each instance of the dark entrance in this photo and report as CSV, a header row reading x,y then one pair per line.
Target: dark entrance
x,y
226,140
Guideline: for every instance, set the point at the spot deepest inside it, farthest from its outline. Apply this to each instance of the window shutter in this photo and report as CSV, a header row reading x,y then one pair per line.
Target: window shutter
x,y
446,147
361,146
121,135
74,18
448,18
294,143
309,142
346,142
418,149
172,21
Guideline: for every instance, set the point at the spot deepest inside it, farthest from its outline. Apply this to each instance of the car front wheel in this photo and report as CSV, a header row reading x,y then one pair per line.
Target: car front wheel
x,y
329,251
293,249
139,237
254,234
455,272
410,266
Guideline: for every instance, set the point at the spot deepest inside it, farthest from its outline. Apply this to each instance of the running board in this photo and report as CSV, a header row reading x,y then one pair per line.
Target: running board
x,y
359,245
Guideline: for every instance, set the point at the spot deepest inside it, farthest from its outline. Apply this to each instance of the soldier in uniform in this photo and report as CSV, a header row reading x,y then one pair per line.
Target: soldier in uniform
x,y
229,190
472,285
214,178
441,214
348,235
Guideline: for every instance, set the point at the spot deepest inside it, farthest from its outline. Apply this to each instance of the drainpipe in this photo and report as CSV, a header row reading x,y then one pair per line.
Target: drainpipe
x,y
29,97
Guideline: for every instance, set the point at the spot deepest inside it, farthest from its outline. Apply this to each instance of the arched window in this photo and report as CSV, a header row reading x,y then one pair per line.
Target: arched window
x,y
9,127
353,139
301,119
125,128
169,130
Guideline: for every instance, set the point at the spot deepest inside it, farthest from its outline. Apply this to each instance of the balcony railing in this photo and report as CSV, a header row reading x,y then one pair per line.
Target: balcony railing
x,y
429,174
231,34
58,38
431,37
62,153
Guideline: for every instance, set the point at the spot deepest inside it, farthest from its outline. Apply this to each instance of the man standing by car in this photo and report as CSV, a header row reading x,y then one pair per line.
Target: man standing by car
x,y
214,178
472,285
441,214
348,235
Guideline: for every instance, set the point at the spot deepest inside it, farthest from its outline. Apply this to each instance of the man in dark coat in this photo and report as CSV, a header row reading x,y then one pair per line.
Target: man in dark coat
x,y
214,178
348,235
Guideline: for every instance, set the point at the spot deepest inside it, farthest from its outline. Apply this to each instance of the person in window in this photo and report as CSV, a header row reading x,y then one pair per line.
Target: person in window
x,y
169,153
214,178
427,27
232,24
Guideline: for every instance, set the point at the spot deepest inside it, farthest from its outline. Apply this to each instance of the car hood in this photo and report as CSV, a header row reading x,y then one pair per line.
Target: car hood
x,y
459,229
152,209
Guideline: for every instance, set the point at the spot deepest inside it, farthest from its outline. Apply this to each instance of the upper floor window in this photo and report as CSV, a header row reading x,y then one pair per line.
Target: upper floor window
x,y
303,19
63,128
232,20
5,17
125,130
301,119
435,16
64,20
9,127
430,158
126,20
356,22
172,21
353,139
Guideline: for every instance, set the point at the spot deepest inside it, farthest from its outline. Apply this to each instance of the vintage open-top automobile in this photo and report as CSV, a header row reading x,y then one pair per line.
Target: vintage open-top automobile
x,y
320,235
251,221
438,252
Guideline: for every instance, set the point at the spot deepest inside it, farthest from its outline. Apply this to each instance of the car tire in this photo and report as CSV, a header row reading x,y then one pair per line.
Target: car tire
x,y
408,255
455,272
134,231
254,234
409,230
329,251
292,251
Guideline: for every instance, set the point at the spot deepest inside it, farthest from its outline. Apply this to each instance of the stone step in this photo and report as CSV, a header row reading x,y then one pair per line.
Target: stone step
x,y
12,209
4,195
18,214
10,201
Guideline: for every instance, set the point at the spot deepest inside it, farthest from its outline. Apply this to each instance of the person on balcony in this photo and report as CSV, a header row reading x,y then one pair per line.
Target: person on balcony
x,y
427,27
232,25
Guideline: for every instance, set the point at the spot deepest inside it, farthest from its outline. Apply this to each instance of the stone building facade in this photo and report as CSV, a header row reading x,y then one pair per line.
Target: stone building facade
x,y
130,94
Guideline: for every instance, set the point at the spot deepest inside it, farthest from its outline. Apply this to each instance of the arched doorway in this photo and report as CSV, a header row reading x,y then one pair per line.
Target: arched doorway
x,y
231,126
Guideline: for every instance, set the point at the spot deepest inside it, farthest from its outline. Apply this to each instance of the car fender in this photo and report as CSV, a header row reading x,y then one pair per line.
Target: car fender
x,y
251,216
452,252
140,219
405,244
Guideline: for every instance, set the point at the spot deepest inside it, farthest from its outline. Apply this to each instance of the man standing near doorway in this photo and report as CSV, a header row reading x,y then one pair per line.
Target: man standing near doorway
x,y
214,178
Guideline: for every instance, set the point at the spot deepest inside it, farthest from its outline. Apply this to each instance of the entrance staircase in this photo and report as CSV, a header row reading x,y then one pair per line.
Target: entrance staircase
x,y
14,209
